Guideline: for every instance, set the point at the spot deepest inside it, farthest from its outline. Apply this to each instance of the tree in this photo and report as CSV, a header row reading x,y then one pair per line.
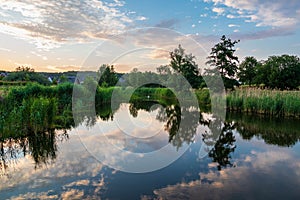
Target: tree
x,y
248,70
163,70
90,83
27,74
222,59
135,78
185,64
108,76
24,69
63,79
281,72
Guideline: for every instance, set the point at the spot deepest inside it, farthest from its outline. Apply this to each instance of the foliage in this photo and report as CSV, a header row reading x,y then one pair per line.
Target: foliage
x,y
279,72
108,76
267,102
63,79
223,60
90,83
248,70
24,69
27,76
32,115
185,64
163,70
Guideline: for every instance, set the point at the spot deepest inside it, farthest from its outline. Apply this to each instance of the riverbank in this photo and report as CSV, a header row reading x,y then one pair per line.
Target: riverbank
x,y
267,102
245,100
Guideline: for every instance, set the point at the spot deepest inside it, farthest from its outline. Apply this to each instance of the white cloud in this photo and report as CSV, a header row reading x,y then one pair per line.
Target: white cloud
x,y
219,11
233,25
50,23
141,18
231,16
4,49
263,12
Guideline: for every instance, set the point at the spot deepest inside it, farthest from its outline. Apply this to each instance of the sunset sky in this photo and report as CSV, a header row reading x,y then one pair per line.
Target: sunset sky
x,y
62,35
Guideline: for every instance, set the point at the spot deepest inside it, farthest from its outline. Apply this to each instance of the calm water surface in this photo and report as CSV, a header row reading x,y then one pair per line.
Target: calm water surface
x,y
252,158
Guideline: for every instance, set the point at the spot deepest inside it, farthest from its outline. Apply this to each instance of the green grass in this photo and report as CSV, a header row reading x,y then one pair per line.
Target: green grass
x,y
267,102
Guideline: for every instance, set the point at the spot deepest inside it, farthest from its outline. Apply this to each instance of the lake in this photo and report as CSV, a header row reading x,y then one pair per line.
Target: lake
x,y
145,151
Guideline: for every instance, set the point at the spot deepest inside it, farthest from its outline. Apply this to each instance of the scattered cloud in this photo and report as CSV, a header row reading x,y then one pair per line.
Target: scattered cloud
x,y
219,11
160,54
43,57
23,64
141,18
50,23
61,68
233,25
264,13
4,49
229,16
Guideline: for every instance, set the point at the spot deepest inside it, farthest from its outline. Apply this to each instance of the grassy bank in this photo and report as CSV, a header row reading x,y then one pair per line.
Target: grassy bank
x,y
16,98
266,102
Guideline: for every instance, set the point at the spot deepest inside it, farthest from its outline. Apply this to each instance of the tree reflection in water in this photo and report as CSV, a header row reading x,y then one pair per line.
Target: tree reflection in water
x,y
222,143
276,131
42,145
181,123
219,140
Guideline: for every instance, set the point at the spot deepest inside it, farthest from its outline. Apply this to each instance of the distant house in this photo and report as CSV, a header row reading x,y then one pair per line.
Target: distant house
x,y
50,79
79,79
3,74
122,81
71,79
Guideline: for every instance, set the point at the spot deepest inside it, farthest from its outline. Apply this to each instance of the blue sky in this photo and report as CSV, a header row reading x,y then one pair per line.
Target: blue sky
x,y
60,35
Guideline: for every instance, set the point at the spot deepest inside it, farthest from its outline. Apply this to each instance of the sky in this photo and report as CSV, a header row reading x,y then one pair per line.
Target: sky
x,y
63,35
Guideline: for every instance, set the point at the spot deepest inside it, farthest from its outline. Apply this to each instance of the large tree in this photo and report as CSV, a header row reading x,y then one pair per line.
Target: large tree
x,y
222,59
185,64
281,72
248,70
108,76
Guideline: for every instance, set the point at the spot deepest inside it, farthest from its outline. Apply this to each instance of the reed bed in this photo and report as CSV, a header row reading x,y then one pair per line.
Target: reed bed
x,y
267,102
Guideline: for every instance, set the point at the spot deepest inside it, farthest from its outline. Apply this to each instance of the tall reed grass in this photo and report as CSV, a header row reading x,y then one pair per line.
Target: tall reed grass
x,y
267,102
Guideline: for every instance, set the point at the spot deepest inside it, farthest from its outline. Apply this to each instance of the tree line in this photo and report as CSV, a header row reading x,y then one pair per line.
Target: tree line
x,y
277,72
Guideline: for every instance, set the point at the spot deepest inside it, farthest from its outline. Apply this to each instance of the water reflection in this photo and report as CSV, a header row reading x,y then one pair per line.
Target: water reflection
x,y
42,145
180,129
224,146
276,131
219,139
237,165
